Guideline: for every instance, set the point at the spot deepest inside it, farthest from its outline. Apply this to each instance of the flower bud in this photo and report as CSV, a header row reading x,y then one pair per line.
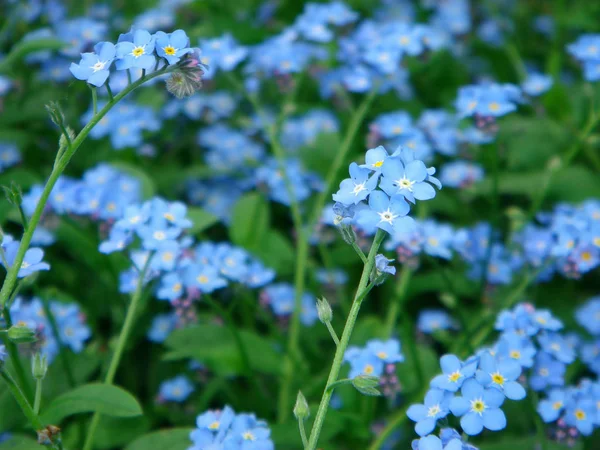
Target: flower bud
x,y
55,113
301,410
366,384
348,233
62,141
21,334
13,193
448,300
39,366
324,310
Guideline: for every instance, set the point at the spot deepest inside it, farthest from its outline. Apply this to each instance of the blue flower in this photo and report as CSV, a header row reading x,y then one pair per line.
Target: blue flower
x,y
406,180
94,67
172,46
551,407
375,158
135,49
454,374
177,389
162,326
248,433
206,278
588,316
435,406
501,375
432,320
386,214
32,262
387,351
516,347
546,372
581,414
479,408
432,442
382,265
357,188
557,346
536,84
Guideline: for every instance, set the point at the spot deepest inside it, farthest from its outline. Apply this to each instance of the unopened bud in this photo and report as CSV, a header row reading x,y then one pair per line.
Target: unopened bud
x,y
55,113
324,310
301,410
367,385
39,366
13,193
62,142
348,233
21,334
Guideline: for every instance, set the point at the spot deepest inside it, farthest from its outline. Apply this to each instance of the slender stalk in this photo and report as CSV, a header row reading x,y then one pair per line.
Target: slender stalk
x,y
359,252
23,216
59,167
34,420
341,382
110,93
38,396
94,99
123,337
302,432
341,349
13,353
332,333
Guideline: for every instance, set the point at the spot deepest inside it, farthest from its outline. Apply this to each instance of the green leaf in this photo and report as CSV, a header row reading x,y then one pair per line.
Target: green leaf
x,y
276,252
318,155
97,398
117,432
216,347
172,439
249,221
24,47
148,185
201,219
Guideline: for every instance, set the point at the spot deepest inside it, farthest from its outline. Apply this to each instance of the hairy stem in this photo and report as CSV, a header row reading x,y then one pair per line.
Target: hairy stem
x,y
344,341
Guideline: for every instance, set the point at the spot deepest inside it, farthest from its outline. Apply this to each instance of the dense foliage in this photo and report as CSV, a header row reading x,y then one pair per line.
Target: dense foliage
x,y
340,225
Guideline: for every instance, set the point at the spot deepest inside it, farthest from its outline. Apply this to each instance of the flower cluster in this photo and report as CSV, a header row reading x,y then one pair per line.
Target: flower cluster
x,y
399,176
224,429
280,297
136,49
586,49
70,324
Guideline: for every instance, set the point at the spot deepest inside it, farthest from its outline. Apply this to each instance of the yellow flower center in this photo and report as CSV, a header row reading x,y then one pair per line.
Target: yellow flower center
x,y
214,426
478,406
248,436
176,287
170,217
494,106
378,163
433,410
202,279
167,256
515,354
454,376
170,50
497,378
368,369
397,130
138,51
382,355
557,405
586,256
580,414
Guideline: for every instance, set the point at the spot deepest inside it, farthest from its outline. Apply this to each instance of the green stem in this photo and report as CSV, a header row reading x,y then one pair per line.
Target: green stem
x,y
38,396
23,216
111,97
13,353
118,353
359,252
332,333
341,349
337,383
59,167
516,60
397,303
94,99
302,432
21,400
